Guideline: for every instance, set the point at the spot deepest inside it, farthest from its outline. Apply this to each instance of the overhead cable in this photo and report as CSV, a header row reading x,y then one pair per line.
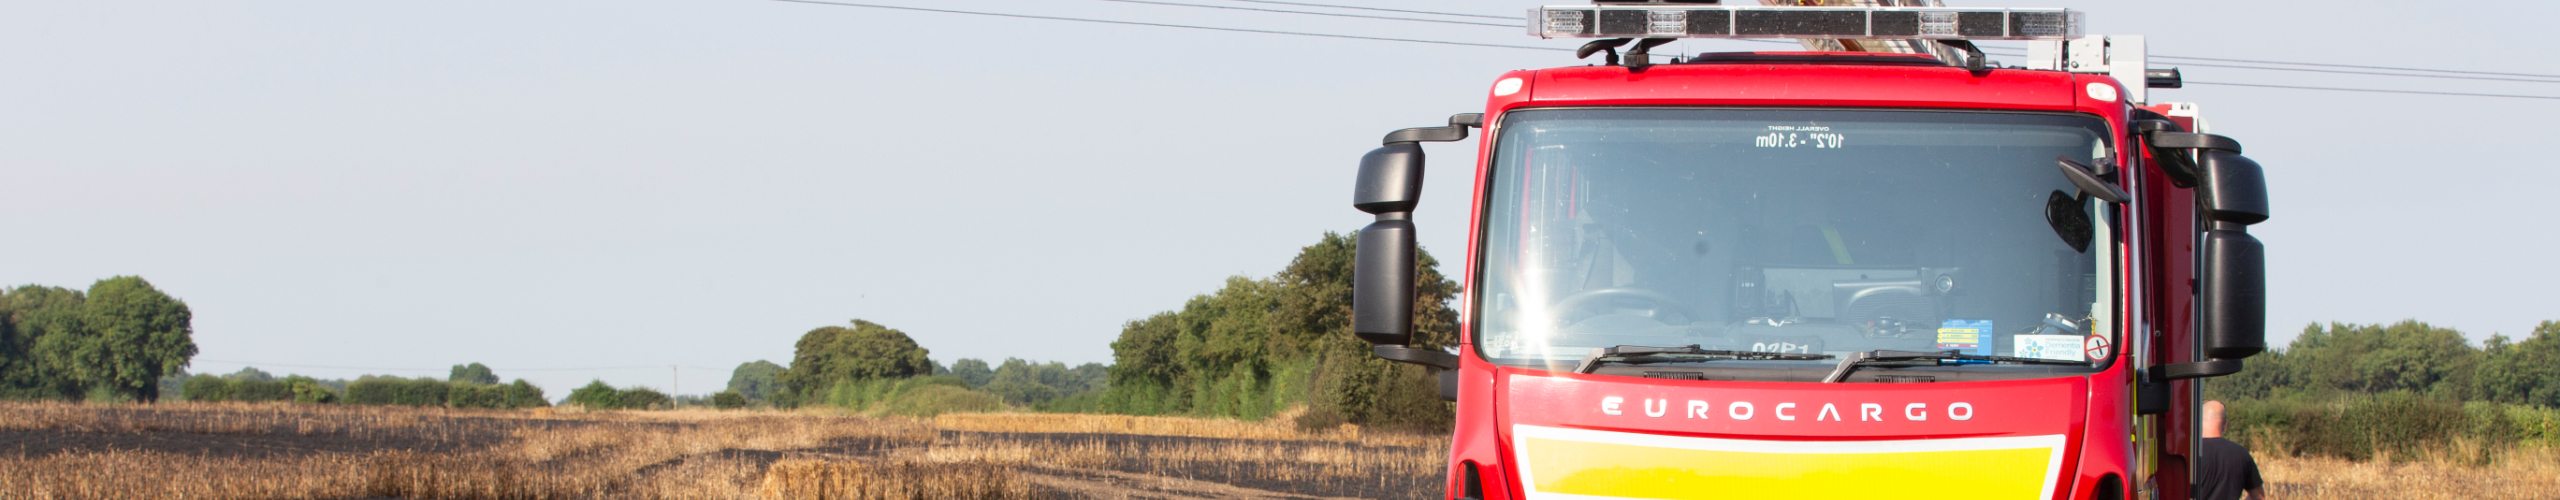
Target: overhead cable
x,y
1167,25
1991,52
1527,47
2355,66
1472,23
2381,91
2160,56
2376,73
1382,10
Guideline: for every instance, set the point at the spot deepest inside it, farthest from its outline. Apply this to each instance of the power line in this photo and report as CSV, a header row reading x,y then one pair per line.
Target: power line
x,y
1990,52
1505,46
2161,56
2346,72
1383,10
1471,23
2356,66
2380,91
1165,25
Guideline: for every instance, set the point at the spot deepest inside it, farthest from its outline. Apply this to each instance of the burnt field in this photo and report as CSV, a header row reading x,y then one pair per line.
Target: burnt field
x,y
52,450
261,451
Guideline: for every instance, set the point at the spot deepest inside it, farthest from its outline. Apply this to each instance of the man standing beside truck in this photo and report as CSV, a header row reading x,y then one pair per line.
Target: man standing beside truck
x,y
2226,470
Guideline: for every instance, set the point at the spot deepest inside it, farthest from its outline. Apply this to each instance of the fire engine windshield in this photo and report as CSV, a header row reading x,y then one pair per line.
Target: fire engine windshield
x,y
1792,230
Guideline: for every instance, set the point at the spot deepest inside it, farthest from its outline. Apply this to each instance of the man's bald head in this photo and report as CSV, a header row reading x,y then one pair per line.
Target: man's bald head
x,y
2212,419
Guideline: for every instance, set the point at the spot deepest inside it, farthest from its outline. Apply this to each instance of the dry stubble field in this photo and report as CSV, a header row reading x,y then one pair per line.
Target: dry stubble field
x,y
263,451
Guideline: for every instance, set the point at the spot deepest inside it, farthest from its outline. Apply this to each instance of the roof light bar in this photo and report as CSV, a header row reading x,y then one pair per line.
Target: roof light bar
x,y
1716,21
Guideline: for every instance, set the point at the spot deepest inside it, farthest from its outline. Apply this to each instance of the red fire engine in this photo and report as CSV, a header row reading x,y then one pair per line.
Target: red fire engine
x,y
1883,268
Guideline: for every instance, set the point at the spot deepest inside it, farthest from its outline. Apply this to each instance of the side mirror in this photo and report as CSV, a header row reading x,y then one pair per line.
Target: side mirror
x,y
1390,179
2232,294
2231,288
2235,188
1383,272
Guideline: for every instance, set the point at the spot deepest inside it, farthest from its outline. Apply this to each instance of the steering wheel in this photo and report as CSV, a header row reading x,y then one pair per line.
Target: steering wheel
x,y
1587,299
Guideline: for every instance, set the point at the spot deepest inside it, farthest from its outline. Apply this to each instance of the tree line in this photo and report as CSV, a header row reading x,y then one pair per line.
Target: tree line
x,y
112,342
2359,391
867,364
1250,350
471,385
1255,347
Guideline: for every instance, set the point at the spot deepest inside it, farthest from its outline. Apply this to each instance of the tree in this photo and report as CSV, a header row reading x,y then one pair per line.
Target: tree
x,y
596,396
474,373
142,334
1254,345
2525,372
972,370
1314,315
755,380
45,326
832,354
250,374
2408,355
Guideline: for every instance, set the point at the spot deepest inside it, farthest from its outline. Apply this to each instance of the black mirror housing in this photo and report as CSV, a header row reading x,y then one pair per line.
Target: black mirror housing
x,y
2232,298
1382,280
2235,188
1390,179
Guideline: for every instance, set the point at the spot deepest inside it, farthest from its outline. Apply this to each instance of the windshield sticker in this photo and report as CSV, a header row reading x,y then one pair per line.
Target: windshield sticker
x,y
1794,136
1972,336
2054,347
2096,347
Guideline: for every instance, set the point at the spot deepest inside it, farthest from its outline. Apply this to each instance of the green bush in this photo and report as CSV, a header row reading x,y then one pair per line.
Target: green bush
x,y
915,396
597,396
205,388
642,398
297,388
385,390
261,390
309,390
2398,424
728,400
469,395
936,399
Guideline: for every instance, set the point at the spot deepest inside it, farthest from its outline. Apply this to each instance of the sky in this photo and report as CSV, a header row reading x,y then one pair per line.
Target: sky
x,y
650,192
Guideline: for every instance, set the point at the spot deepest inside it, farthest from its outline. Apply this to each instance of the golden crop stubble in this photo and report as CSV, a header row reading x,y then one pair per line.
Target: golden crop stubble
x,y
2516,473
1277,428
122,474
900,480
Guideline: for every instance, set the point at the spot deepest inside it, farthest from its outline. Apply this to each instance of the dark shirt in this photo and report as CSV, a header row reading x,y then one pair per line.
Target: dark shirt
x,y
2225,472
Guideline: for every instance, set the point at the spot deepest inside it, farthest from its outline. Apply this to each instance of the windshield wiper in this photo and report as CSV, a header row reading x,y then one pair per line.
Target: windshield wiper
x,y
1857,359
1637,355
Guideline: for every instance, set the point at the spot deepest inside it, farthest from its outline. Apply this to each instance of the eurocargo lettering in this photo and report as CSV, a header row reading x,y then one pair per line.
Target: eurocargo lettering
x,y
1883,267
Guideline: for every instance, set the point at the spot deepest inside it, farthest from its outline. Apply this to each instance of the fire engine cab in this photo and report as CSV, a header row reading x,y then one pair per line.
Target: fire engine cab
x,y
1880,268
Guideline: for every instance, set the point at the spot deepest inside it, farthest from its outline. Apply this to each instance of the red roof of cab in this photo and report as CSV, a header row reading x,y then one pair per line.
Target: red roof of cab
x,y
1792,79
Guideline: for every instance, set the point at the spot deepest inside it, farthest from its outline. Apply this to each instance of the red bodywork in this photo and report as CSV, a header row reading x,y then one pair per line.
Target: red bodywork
x,y
2096,411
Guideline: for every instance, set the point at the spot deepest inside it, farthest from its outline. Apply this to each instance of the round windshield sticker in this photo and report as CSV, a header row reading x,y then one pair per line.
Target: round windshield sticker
x,y
2096,346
